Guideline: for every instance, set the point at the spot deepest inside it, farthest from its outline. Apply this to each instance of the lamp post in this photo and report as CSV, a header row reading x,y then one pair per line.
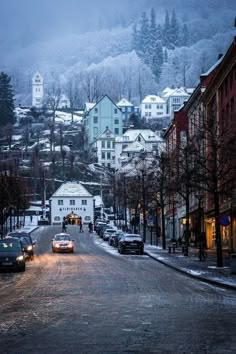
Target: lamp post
x,y
200,197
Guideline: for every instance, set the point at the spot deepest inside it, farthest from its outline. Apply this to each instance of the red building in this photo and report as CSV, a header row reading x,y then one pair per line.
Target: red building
x,y
219,106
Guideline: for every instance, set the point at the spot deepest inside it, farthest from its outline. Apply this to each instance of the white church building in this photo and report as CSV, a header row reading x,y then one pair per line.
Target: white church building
x,y
37,90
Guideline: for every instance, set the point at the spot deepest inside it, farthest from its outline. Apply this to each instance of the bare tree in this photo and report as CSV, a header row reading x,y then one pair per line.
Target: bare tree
x,y
215,164
53,101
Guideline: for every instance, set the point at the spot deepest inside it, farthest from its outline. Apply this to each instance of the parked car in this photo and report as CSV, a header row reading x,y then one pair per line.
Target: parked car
x,y
62,242
116,237
26,240
11,254
131,242
106,234
102,228
98,226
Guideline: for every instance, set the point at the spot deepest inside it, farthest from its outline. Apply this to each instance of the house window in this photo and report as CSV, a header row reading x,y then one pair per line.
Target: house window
x,y
103,144
60,202
129,109
117,131
103,155
108,144
115,110
146,114
146,106
95,110
72,202
123,109
116,121
95,120
150,114
108,156
84,202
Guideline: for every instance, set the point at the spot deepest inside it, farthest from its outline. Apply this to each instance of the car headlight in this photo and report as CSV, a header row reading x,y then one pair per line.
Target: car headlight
x,y
20,258
57,245
29,248
70,244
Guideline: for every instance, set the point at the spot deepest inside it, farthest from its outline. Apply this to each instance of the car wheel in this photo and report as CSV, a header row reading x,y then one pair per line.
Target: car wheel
x,y
22,268
121,251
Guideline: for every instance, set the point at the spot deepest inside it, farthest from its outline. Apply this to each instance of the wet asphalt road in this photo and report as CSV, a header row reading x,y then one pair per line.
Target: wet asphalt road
x,y
98,301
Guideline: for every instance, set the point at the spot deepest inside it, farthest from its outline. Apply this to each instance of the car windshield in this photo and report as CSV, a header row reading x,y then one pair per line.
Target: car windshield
x,y
9,246
129,237
25,240
62,238
18,234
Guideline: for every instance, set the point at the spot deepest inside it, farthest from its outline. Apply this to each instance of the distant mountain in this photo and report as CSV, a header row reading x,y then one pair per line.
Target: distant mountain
x,y
108,53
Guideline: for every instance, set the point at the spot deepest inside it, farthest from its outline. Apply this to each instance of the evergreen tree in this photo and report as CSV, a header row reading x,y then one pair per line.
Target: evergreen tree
x,y
152,31
166,32
184,38
157,60
143,38
7,115
174,31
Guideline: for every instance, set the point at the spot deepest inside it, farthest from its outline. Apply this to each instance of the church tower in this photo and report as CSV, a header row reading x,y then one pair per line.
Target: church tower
x,y
37,90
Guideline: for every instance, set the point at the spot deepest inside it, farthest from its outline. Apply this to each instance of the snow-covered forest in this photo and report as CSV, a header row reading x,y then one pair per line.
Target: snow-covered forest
x,y
139,51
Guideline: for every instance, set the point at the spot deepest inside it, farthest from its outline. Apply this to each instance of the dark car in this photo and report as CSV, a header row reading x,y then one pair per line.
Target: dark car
x,y
99,225
11,254
26,240
62,243
131,242
116,237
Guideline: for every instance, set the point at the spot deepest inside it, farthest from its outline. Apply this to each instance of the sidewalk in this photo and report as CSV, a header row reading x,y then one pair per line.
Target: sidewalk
x,y
206,271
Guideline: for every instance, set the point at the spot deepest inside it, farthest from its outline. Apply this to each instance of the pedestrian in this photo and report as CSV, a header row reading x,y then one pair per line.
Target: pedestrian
x,y
81,226
90,227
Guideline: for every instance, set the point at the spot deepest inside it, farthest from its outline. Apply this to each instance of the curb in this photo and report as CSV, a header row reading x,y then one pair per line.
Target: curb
x,y
180,270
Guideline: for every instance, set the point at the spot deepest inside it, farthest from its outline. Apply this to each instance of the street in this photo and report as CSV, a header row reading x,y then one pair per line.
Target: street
x,y
95,301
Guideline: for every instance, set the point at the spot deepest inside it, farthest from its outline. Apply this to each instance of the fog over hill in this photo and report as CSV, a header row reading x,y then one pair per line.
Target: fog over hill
x,y
65,38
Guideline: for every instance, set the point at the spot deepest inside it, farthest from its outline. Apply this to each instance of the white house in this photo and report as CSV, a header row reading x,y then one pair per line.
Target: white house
x,y
175,98
71,201
135,141
103,149
153,107
37,90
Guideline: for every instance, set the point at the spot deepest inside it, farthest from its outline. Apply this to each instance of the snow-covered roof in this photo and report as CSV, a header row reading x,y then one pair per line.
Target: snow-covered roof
x,y
66,117
124,103
132,134
153,99
71,190
179,91
136,146
213,66
105,134
89,105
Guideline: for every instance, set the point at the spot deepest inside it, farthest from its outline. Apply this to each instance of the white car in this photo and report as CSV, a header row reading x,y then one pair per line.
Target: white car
x,y
62,243
107,233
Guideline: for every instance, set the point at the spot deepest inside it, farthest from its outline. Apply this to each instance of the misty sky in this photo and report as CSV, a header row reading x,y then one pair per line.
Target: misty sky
x,y
24,21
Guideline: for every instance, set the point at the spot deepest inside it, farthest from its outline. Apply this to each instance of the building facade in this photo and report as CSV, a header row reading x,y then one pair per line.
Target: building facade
x,y
71,201
100,116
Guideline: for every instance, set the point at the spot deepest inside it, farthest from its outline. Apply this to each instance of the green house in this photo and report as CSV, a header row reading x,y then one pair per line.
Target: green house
x,y
101,116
